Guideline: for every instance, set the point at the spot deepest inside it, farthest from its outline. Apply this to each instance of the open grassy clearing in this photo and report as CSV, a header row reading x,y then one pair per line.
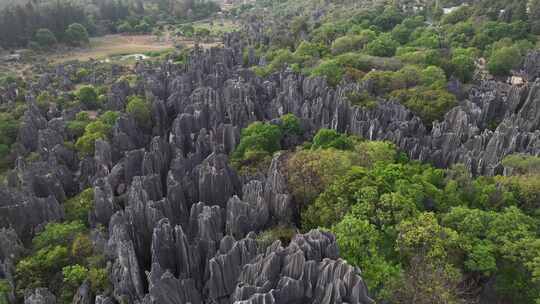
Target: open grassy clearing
x,y
111,45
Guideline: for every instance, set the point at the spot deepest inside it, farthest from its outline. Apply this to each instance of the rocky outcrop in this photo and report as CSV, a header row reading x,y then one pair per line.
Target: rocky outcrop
x,y
25,214
40,296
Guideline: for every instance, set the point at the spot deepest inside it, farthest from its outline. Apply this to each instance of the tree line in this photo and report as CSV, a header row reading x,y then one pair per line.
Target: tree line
x,y
21,23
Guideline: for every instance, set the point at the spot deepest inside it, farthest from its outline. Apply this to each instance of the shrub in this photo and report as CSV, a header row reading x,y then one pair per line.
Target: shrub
x,y
77,207
351,43
45,38
99,129
257,144
290,125
124,27
383,46
258,137
331,70
428,104
76,127
88,97
74,276
141,110
76,34
327,138
503,60
82,73
281,233
58,234
463,67
522,163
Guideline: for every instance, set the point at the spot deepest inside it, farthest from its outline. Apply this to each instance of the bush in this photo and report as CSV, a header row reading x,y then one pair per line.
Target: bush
x,y
290,125
522,163
58,234
76,127
463,67
257,144
74,276
383,46
141,110
327,138
503,60
124,27
258,137
351,43
88,97
281,233
82,73
76,34
99,129
78,207
45,38
331,70
428,104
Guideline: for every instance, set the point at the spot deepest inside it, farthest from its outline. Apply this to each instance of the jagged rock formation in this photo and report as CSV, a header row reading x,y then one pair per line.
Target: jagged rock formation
x,y
182,223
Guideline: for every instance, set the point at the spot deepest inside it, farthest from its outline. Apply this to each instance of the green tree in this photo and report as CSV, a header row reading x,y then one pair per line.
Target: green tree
x,y
141,110
257,144
328,138
290,125
360,244
310,172
463,67
76,34
125,27
77,207
383,46
331,70
74,276
88,97
503,60
350,43
433,77
45,38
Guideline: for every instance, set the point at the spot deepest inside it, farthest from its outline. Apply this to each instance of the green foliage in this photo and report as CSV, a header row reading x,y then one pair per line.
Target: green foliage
x,y
503,60
88,96
76,34
76,127
290,125
74,276
350,43
58,234
429,104
458,15
383,46
522,163
283,234
141,110
463,67
98,129
77,207
257,144
124,27
5,289
45,38
327,138
82,73
359,243
331,70
311,171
